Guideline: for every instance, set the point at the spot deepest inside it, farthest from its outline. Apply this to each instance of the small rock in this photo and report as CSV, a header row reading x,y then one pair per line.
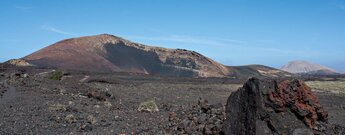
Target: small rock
x,y
25,75
96,95
201,127
92,120
86,127
172,116
207,130
109,94
202,118
203,103
108,104
70,103
186,122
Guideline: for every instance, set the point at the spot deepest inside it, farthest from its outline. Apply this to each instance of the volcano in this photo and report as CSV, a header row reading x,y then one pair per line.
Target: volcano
x,y
107,53
305,67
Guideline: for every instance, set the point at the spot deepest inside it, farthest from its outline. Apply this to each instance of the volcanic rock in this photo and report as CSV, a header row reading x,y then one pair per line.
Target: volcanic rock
x,y
268,107
203,118
96,95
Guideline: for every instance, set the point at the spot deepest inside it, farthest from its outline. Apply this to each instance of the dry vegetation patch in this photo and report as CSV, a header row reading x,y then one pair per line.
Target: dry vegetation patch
x,y
149,106
327,86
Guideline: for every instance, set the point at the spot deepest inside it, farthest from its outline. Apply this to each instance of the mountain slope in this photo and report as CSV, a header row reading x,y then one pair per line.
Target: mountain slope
x,y
108,53
247,71
305,67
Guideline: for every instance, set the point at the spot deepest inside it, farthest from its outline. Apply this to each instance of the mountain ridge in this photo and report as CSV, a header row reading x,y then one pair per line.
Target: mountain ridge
x,y
108,53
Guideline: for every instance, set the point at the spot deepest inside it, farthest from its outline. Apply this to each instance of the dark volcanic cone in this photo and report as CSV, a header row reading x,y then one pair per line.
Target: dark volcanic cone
x,y
107,53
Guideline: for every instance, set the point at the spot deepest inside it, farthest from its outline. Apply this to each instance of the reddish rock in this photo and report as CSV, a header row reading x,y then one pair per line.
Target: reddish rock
x,y
172,116
96,95
298,97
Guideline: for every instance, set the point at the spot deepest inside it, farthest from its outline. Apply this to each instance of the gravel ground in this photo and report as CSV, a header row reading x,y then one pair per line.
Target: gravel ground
x,y
108,104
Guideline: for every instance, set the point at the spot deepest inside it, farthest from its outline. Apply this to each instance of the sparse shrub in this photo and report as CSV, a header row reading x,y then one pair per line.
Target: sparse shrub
x,y
70,118
331,86
57,107
56,75
149,106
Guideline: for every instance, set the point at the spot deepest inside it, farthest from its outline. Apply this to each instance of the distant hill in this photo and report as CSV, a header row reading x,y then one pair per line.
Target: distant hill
x,y
305,67
244,72
108,53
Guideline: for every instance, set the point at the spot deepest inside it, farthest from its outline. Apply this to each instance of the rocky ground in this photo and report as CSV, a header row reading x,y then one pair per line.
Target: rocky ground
x,y
86,103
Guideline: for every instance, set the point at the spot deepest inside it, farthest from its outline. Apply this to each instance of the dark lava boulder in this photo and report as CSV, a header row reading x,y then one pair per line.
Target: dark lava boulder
x,y
267,107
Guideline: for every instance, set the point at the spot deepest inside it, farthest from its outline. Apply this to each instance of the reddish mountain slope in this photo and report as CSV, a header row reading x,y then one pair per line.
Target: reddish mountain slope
x,y
108,53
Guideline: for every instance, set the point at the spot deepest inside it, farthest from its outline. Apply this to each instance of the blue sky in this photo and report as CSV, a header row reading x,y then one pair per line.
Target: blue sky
x,y
233,32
